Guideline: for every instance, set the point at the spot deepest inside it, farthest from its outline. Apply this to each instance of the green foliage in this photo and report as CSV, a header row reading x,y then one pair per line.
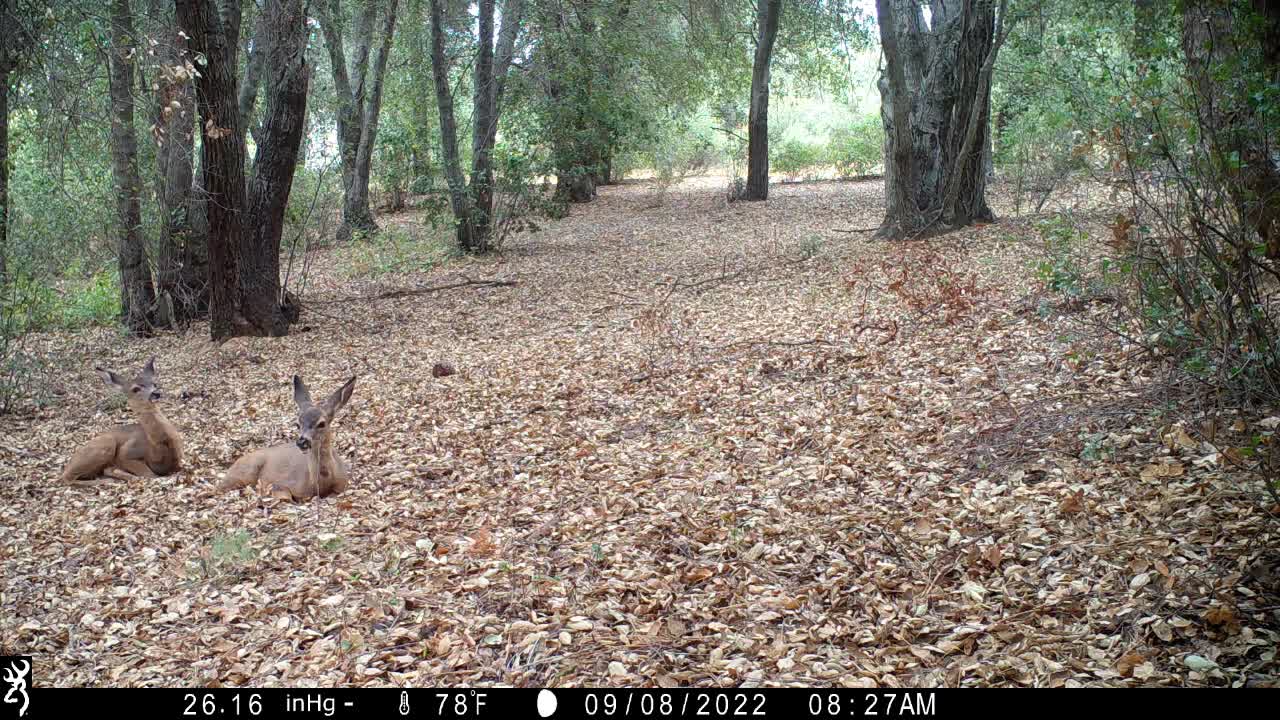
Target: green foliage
x,y
1064,266
399,249
858,148
796,159
810,246
227,553
94,300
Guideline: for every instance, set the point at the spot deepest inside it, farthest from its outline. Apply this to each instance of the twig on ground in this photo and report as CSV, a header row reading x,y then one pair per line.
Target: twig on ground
x,y
409,292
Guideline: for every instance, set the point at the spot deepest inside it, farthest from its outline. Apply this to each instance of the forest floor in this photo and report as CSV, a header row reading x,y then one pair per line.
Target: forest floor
x,y
692,443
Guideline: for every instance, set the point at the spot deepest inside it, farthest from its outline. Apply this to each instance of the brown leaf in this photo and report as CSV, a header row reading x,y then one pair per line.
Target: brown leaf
x,y
1128,662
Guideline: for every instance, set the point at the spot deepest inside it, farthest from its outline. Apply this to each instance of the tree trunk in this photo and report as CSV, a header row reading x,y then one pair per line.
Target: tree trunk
x,y
287,76
758,123
485,130
936,91
458,199
5,71
137,294
244,232
359,99
369,120
182,254
8,61
255,58
473,206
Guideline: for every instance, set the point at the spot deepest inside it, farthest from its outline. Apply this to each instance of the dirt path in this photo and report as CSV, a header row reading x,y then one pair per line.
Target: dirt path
x,y
694,443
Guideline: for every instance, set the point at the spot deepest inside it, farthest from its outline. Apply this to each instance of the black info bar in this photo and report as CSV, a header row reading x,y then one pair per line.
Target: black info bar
x,y
390,703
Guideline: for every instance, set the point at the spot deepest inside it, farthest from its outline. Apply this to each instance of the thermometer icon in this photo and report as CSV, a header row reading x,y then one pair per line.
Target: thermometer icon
x,y
404,702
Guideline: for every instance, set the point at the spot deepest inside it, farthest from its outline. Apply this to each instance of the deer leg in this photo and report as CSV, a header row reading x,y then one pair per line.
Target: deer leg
x,y
118,474
136,468
87,463
281,493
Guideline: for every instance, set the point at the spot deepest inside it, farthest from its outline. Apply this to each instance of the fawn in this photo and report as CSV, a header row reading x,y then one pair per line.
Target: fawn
x,y
306,467
148,448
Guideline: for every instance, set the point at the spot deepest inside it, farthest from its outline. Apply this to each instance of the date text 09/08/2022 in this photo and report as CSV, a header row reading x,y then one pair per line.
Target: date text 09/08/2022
x,y
694,703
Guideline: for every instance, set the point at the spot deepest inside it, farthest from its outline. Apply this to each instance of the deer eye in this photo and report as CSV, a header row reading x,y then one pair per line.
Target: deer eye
x,y
320,425
135,389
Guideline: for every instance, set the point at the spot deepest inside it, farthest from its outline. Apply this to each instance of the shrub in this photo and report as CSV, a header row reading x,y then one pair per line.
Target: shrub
x,y
398,249
22,305
857,149
796,158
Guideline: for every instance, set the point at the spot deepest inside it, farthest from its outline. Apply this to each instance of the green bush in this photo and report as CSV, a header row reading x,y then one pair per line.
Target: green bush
x,y
1063,269
94,300
796,158
857,149
397,250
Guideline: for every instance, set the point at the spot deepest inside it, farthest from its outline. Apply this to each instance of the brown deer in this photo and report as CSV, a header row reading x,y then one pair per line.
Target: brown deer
x,y
147,448
302,469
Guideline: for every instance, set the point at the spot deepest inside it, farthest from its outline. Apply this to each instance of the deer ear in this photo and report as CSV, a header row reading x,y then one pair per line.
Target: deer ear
x,y
110,378
340,397
301,395
149,370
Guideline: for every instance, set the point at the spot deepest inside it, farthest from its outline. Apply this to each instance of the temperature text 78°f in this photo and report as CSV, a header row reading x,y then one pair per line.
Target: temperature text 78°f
x,y
460,704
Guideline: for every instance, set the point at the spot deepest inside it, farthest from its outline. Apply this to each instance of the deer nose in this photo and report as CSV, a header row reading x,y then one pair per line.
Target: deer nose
x,y
304,444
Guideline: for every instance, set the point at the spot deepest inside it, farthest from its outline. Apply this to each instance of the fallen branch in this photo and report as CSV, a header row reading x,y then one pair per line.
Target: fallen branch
x,y
466,282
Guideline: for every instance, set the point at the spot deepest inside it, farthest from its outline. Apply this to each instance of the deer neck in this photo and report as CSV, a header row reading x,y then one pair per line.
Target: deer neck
x,y
153,423
320,464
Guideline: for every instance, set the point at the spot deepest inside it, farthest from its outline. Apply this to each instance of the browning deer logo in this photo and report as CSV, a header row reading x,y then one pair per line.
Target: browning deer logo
x,y
17,679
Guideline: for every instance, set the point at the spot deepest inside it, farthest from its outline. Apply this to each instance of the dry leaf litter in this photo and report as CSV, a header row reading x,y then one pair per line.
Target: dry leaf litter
x,y
684,443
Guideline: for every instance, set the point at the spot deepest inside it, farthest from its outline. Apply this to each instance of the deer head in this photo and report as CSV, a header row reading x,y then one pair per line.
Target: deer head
x,y
314,420
141,389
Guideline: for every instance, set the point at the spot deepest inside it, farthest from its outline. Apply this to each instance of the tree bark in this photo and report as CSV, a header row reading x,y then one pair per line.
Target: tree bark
x,y
255,58
359,98
275,163
758,123
182,254
8,63
935,90
458,199
473,205
244,231
137,294
485,128
6,70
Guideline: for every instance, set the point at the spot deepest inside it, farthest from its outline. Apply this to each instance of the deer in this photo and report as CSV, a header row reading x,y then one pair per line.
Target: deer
x,y
150,447
307,467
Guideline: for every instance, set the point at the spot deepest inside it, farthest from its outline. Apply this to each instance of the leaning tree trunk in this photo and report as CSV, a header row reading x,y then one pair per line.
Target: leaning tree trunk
x,y
358,196
936,92
758,122
244,231
137,295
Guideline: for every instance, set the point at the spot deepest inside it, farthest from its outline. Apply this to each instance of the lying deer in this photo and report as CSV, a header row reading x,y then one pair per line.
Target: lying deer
x,y
305,468
148,448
